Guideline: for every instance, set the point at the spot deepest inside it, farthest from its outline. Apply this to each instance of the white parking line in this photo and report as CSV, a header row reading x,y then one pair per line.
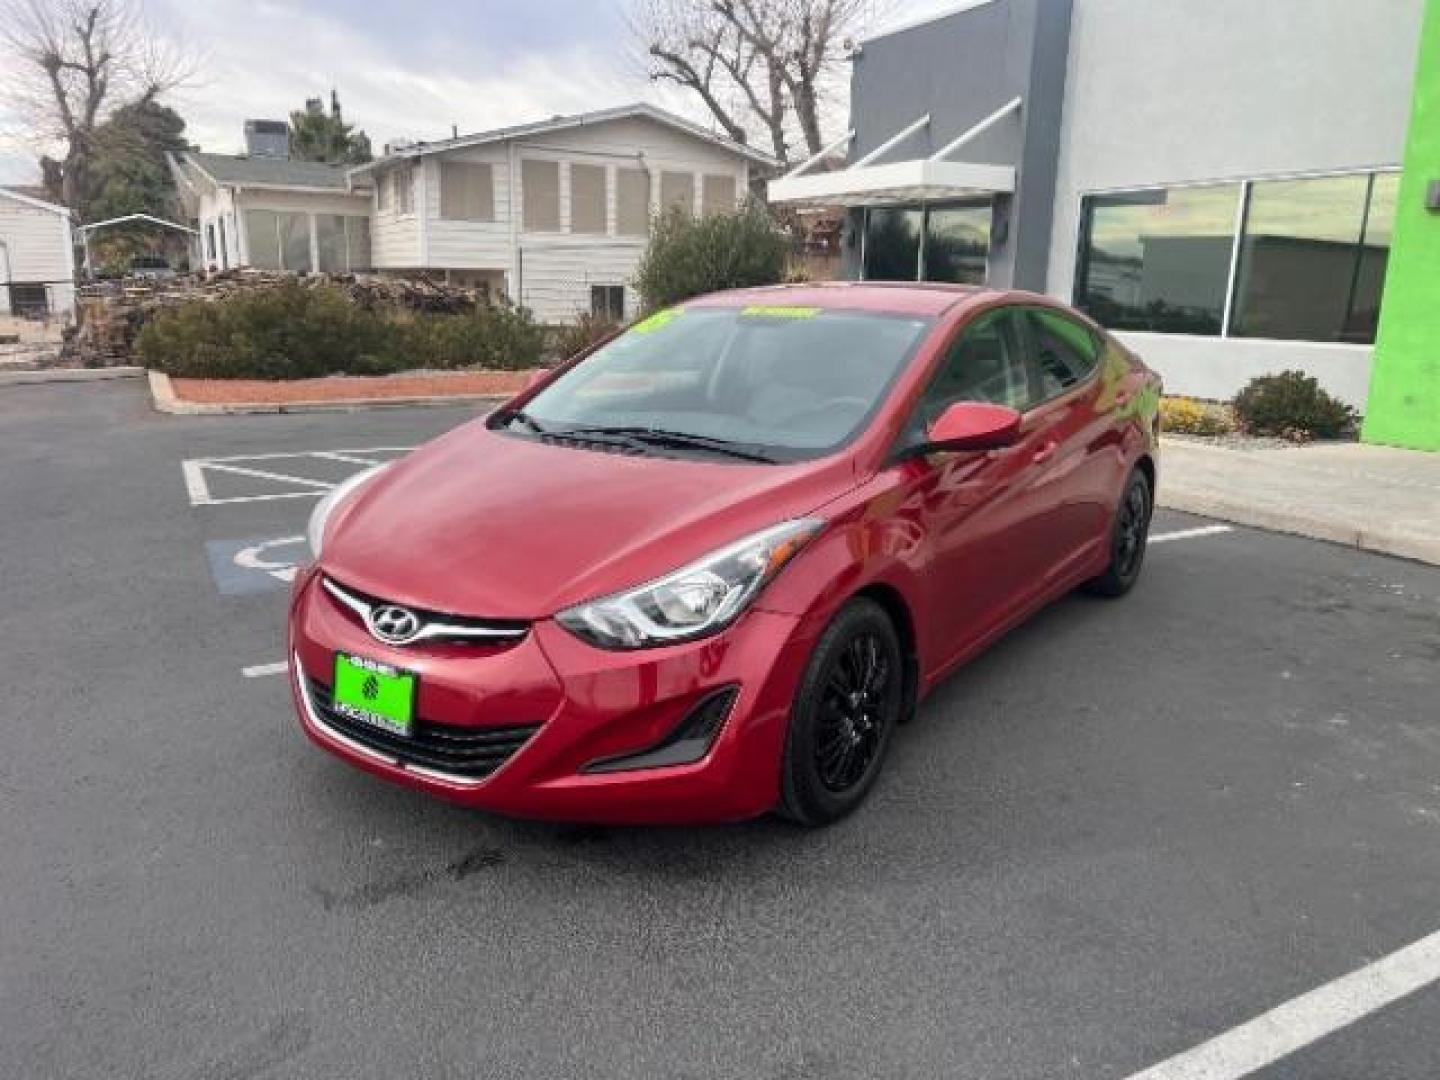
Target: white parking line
x,y
1306,1019
1190,534
255,671
198,470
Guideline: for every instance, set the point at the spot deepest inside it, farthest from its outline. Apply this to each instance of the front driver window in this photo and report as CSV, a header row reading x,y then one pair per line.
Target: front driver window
x,y
985,364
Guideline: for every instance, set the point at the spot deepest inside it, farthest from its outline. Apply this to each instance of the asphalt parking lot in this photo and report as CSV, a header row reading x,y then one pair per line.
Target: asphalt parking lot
x,y
1127,829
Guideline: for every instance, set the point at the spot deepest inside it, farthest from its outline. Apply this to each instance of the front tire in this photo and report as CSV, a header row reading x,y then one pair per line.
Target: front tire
x,y
844,715
1129,536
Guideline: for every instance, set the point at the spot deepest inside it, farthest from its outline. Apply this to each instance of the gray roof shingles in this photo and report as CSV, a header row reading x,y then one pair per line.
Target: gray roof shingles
x,y
228,169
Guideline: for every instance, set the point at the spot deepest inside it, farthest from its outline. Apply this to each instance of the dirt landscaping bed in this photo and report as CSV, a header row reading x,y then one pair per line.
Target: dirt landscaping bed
x,y
238,395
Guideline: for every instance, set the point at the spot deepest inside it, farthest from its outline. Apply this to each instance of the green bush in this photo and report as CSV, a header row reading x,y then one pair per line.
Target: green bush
x,y
688,256
296,331
581,334
1292,404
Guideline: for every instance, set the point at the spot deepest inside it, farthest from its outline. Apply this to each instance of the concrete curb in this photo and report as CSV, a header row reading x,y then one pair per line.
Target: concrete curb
x,y
1386,541
162,391
54,375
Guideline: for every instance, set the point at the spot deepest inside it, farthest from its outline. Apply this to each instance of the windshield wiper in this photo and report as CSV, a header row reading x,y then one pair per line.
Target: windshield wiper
x,y
525,418
663,437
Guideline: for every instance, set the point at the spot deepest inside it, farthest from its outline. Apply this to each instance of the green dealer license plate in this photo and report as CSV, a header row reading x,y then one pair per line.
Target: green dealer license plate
x,y
375,693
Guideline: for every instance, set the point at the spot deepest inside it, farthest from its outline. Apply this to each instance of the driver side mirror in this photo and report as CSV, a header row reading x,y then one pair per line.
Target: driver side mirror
x,y
974,425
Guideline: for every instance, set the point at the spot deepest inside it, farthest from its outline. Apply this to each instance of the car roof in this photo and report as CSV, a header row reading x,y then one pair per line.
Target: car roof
x,y
887,297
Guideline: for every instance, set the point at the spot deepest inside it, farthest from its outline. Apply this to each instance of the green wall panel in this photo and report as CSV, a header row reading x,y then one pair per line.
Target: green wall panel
x,y
1404,404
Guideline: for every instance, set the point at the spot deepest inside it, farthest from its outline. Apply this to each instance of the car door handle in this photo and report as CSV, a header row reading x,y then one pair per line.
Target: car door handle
x,y
1046,452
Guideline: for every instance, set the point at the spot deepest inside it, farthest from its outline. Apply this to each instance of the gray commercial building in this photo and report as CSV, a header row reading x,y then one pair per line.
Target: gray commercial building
x,y
1214,181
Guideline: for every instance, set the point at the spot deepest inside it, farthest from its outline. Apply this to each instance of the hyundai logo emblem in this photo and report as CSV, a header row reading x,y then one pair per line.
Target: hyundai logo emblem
x,y
394,625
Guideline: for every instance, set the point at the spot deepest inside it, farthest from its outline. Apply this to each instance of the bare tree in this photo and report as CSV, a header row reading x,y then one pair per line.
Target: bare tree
x,y
765,64
71,64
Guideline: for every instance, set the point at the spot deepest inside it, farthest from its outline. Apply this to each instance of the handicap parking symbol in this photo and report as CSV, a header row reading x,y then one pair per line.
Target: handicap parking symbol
x,y
240,567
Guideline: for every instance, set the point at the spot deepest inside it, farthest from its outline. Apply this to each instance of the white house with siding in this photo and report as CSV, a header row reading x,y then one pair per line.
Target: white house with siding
x,y
553,214
37,257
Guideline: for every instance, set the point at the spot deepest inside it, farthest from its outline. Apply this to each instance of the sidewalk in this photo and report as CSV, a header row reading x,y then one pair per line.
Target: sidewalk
x,y
1372,497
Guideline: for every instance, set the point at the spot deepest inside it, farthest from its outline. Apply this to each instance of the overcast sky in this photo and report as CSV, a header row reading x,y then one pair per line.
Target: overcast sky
x,y
402,69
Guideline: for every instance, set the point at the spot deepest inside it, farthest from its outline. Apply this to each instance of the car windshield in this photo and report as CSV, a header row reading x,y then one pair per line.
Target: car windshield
x,y
784,383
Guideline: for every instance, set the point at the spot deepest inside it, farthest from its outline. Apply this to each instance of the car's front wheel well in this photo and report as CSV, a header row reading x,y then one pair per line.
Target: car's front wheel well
x,y
898,610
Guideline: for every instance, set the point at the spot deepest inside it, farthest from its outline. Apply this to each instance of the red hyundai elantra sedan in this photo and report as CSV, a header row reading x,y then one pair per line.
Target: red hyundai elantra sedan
x,y
703,571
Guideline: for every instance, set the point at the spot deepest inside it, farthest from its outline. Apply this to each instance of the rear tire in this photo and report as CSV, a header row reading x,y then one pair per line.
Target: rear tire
x,y
845,713
1129,535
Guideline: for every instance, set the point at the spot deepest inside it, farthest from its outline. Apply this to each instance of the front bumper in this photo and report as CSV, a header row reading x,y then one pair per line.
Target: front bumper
x,y
589,704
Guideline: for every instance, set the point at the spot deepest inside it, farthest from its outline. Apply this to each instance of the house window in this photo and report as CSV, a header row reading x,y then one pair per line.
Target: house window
x,y
224,248
210,242
342,242
1312,258
541,183
608,302
402,182
295,242
677,189
29,301
587,198
632,202
1158,260
717,194
382,193
357,242
1308,263
467,191
262,232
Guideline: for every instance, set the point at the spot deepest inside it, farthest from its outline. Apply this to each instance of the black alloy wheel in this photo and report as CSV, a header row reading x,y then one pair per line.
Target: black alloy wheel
x,y
845,712
1129,537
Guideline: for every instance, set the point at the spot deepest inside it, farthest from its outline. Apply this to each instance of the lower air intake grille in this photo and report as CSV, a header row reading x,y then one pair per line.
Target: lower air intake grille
x,y
463,751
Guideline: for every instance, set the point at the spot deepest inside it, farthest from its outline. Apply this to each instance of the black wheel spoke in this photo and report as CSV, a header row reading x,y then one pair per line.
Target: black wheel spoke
x,y
855,706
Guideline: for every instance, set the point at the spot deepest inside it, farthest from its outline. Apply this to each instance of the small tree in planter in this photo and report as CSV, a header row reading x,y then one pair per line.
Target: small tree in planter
x,y
688,256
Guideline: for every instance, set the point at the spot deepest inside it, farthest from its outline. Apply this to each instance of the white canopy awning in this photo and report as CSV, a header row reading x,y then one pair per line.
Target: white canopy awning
x,y
897,182
931,179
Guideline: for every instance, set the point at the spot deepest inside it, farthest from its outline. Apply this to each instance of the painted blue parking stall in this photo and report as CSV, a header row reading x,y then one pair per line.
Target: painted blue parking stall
x,y
256,565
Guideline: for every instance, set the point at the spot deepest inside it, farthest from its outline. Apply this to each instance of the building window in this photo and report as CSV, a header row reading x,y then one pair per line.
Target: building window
x,y
717,194
295,241
210,242
402,189
262,233
587,198
357,242
608,302
677,189
382,193
1312,258
957,243
1307,265
29,301
224,247
892,243
632,202
541,183
467,191
1158,260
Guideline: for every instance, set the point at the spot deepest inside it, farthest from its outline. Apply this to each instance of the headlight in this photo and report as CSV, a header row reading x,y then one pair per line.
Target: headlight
x,y
696,600
315,531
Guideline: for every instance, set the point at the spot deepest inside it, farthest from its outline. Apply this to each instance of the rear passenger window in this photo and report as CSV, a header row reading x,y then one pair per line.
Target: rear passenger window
x,y
1065,351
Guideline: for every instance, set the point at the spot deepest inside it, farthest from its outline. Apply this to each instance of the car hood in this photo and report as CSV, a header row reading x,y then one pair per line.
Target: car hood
x,y
489,524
